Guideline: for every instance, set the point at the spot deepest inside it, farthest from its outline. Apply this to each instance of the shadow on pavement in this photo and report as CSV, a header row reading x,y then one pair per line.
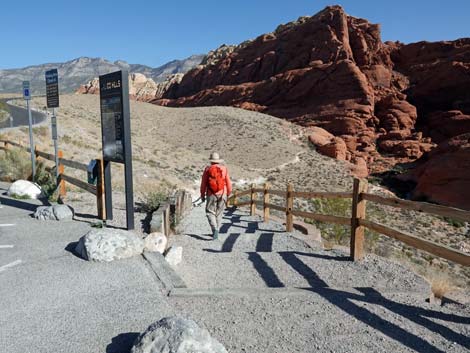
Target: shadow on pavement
x,y
122,343
18,204
266,272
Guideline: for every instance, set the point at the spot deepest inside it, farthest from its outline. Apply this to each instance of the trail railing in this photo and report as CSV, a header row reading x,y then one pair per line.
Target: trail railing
x,y
358,222
63,178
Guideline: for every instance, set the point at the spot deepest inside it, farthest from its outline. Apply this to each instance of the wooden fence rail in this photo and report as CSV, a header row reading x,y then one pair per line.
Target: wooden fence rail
x,y
63,178
357,222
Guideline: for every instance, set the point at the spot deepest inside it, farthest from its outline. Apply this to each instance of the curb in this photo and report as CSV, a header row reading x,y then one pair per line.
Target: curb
x,y
164,272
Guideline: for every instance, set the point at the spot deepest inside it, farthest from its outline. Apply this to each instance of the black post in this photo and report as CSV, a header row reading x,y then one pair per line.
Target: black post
x,y
127,153
108,190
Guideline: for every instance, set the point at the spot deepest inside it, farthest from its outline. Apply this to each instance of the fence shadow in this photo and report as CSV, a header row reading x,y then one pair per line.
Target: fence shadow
x,y
344,301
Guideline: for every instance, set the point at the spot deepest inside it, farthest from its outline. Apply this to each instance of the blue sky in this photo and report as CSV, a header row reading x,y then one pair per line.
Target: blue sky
x,y
155,32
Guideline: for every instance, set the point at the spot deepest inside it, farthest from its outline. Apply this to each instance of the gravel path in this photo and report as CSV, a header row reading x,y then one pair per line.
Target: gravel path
x,y
244,289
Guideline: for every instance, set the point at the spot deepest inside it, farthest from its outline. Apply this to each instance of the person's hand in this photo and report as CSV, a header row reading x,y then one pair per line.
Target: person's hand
x,y
203,198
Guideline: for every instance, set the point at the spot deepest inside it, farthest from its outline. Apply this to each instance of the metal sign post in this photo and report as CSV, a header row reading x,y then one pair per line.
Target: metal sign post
x,y
52,98
116,135
27,97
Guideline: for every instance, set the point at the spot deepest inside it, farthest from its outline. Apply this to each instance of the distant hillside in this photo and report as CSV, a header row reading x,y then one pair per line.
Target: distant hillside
x,y
78,71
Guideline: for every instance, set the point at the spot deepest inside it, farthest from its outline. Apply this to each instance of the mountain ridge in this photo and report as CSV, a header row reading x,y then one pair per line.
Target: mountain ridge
x,y
78,71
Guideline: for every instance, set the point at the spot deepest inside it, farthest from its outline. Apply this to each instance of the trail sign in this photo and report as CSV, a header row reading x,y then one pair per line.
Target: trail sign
x,y
52,88
26,90
116,136
54,127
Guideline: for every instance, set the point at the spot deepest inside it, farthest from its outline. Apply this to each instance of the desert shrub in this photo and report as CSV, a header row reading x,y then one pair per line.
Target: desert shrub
x,y
333,233
42,131
15,164
45,180
453,222
152,194
441,284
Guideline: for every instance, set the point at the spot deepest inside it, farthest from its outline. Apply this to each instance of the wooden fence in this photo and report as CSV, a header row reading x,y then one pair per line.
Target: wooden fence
x,y
358,221
63,178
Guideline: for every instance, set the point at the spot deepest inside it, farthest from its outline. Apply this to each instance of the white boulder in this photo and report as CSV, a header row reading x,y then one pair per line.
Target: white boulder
x,y
155,242
24,188
54,213
108,244
174,255
176,335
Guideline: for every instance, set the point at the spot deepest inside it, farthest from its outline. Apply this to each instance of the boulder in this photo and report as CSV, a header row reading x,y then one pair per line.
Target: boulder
x,y
335,149
319,136
54,213
26,189
176,335
106,244
174,255
155,242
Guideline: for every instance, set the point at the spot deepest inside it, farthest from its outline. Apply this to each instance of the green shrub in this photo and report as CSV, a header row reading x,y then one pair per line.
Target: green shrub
x,y
152,194
45,180
15,164
334,233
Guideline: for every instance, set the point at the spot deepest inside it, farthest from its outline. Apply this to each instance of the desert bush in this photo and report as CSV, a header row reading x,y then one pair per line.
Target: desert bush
x,y
15,164
42,131
333,233
45,180
440,284
152,194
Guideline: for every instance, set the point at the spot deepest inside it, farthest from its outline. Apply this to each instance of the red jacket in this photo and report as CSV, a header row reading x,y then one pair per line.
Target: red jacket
x,y
228,184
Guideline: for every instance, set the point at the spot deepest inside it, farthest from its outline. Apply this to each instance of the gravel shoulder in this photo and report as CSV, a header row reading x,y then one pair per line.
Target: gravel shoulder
x,y
244,288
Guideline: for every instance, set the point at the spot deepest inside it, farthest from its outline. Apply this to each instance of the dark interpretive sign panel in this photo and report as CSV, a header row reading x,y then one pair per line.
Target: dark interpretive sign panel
x,y
112,116
52,88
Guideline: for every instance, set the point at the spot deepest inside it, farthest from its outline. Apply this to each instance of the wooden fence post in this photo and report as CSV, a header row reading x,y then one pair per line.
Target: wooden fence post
x,y
265,202
253,198
358,212
235,203
289,206
100,191
62,189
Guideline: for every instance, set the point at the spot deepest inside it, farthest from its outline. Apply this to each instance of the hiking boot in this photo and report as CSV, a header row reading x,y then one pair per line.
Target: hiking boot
x,y
216,234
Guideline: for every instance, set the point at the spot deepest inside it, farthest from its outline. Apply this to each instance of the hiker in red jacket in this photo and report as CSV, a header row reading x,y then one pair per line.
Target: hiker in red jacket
x,y
216,185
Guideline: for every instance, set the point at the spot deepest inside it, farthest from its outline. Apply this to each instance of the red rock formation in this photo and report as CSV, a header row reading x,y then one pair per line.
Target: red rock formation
x,y
330,70
443,175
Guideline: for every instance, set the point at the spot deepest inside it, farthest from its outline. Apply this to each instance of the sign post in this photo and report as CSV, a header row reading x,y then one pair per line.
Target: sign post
x,y
27,97
52,98
116,135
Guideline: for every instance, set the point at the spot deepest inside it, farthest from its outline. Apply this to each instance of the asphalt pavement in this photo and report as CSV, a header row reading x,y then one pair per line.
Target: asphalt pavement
x,y
53,301
20,116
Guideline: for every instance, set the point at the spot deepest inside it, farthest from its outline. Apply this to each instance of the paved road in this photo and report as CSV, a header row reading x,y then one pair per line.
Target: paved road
x,y
53,301
20,116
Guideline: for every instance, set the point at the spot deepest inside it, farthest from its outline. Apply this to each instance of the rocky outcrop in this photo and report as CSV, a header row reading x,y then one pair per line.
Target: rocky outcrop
x,y
443,174
141,88
176,335
330,70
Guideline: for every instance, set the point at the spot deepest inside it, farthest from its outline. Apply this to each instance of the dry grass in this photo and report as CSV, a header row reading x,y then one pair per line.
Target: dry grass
x,y
441,284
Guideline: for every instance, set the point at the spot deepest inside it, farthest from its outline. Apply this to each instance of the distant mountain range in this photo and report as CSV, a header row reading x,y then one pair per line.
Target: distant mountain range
x,y
78,71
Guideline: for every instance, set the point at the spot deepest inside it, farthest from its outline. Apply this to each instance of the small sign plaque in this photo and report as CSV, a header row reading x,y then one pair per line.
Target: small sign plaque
x,y
54,127
26,90
52,88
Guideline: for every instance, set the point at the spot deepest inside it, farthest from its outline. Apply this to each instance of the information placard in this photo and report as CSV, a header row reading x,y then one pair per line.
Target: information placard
x,y
52,88
112,116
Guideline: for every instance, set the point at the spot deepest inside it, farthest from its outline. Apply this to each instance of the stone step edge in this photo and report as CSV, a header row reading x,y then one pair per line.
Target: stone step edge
x,y
287,291
164,272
